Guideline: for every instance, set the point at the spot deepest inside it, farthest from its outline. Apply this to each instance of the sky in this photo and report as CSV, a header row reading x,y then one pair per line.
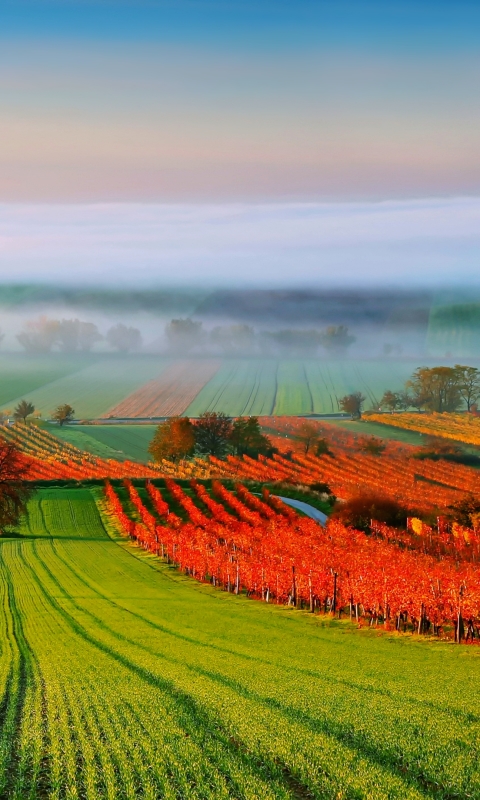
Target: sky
x,y
216,141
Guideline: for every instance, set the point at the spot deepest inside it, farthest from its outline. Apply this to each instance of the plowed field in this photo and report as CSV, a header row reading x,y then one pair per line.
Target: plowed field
x,y
169,394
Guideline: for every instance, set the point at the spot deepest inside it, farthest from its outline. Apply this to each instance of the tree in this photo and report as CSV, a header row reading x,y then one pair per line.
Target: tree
x,y
23,410
336,339
435,388
322,448
213,431
174,439
247,438
63,413
391,400
468,379
39,335
467,511
309,435
298,342
372,445
123,338
359,512
14,491
184,334
352,404
75,334
233,339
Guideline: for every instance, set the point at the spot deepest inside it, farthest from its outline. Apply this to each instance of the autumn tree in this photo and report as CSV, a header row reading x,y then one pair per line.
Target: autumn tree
x,y
391,400
372,445
14,491
358,512
352,404
213,431
174,439
63,414
39,335
124,338
23,410
309,435
336,339
322,448
75,334
468,382
247,438
435,388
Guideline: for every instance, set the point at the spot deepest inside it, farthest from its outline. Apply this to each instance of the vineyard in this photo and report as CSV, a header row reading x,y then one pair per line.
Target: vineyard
x,y
460,427
50,458
121,678
424,579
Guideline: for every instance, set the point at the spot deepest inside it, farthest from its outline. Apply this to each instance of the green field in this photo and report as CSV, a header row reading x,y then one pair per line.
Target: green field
x,y
313,386
94,388
109,441
121,678
22,375
94,384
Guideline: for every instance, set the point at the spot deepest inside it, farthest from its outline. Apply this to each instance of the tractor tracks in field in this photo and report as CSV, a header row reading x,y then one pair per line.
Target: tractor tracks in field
x,y
344,735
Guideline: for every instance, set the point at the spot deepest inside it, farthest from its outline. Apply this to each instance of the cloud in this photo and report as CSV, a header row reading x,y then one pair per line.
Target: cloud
x,y
418,241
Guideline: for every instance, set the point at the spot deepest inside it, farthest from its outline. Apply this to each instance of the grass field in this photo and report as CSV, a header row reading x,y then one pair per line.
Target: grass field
x,y
98,385
265,387
95,388
366,428
121,678
22,375
109,441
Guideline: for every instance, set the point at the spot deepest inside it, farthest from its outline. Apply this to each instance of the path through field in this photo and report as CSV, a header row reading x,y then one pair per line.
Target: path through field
x,y
120,678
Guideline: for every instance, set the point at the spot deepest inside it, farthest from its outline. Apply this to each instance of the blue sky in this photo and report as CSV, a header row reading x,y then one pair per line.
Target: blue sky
x,y
252,103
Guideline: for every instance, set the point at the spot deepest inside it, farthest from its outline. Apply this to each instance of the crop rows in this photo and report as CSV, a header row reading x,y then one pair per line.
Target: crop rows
x,y
266,386
48,458
460,427
122,679
265,548
170,394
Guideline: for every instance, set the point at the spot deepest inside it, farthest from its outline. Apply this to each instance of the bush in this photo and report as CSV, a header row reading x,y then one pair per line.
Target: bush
x,y
359,511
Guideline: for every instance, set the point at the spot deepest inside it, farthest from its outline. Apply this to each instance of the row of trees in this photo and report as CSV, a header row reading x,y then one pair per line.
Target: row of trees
x,y
437,389
63,413
185,335
74,336
430,389
211,434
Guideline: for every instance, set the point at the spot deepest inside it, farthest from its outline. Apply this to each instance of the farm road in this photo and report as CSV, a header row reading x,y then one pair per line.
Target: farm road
x,y
307,509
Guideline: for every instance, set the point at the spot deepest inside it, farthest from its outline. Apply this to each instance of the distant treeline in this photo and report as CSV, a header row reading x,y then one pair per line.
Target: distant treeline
x,y
183,337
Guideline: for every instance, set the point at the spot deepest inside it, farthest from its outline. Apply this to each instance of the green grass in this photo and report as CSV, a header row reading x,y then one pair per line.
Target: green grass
x,y
121,678
94,389
109,441
366,428
239,387
300,386
21,375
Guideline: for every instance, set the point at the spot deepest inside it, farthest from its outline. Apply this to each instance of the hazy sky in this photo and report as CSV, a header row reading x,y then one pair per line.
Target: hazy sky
x,y
251,104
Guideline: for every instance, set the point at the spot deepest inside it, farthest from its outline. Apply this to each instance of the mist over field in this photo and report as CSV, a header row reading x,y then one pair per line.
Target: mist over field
x,y
374,323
